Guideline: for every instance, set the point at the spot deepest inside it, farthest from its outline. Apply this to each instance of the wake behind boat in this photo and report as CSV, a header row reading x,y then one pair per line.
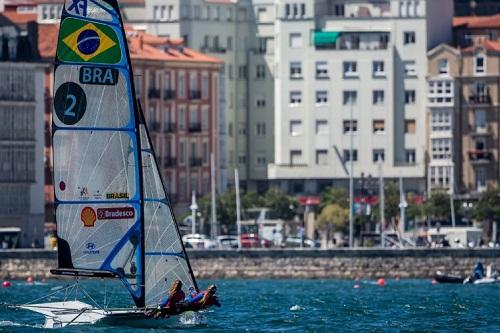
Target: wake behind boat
x,y
114,220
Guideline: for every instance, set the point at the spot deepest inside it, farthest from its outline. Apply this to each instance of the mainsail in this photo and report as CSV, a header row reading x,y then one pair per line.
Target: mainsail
x,y
113,215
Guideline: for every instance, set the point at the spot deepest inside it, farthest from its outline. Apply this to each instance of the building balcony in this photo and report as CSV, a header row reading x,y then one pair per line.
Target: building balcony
x,y
154,126
168,94
195,162
169,127
479,99
480,156
169,162
153,93
195,127
194,94
480,130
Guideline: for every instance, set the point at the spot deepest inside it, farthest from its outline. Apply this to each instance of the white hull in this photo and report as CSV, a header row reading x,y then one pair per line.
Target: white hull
x,y
486,280
62,314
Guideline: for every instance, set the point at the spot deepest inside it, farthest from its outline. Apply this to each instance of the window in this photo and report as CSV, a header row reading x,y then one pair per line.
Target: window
x,y
295,157
410,126
197,12
321,69
350,69
182,152
378,127
378,97
378,155
440,92
295,127
347,155
410,156
442,67
339,10
295,10
350,97
204,86
229,14
295,98
262,45
185,11
321,97
261,159
242,72
410,68
229,45
441,149
480,120
350,126
260,102
182,118
242,158
260,129
242,129
322,157
440,120
378,69
480,179
181,85
479,64
321,127
260,72
204,118
296,40
409,96
287,10
302,9
409,37
295,70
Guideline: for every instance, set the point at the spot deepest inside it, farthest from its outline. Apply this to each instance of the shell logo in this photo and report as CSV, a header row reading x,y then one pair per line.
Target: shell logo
x,y
88,217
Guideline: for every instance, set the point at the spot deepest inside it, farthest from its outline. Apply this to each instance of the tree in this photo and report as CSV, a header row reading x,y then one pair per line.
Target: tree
x,y
487,207
391,203
437,206
335,217
280,203
334,195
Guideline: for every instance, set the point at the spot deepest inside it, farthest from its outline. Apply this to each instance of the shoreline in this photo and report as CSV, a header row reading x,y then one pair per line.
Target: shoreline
x,y
288,263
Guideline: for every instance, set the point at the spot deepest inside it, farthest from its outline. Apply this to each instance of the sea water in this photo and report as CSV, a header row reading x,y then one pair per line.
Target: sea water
x,y
296,306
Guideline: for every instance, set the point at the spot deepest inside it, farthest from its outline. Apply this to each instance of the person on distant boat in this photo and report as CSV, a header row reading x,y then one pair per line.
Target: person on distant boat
x,y
202,300
478,271
169,304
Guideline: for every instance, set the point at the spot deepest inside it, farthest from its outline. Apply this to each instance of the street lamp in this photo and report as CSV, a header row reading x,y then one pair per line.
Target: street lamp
x,y
194,208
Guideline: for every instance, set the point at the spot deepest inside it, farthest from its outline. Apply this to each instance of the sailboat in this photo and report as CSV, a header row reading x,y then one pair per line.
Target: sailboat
x,y
114,219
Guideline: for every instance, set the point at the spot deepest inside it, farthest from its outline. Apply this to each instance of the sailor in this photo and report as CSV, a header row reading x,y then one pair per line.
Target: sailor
x,y
203,299
478,271
169,304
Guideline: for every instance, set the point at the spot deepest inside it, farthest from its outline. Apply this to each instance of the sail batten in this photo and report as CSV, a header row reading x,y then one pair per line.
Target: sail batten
x,y
113,216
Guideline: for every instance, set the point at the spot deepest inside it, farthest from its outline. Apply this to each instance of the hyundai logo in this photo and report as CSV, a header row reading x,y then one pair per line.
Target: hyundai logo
x,y
90,246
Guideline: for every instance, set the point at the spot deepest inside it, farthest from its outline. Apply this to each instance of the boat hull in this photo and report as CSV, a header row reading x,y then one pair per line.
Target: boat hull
x,y
62,314
448,278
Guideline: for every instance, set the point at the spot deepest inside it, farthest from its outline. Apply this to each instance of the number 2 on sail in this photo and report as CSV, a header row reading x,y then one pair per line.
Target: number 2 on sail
x,y
69,111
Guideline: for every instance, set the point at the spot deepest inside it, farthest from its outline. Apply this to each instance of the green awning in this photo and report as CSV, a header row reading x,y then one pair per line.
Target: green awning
x,y
325,37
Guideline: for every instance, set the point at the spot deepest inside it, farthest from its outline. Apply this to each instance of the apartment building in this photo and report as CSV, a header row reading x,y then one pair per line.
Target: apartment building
x,y
241,33
463,105
22,106
476,7
353,70
442,97
179,91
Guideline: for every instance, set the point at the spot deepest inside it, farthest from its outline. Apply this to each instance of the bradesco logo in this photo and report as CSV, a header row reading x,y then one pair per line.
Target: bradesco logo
x,y
118,213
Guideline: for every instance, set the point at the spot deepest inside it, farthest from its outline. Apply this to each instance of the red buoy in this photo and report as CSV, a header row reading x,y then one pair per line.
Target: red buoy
x,y
6,284
434,281
29,279
357,286
381,282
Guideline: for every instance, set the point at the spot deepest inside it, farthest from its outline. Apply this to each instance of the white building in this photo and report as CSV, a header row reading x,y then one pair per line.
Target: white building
x,y
368,58
296,69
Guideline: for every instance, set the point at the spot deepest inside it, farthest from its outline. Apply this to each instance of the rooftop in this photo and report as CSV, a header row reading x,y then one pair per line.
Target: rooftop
x,y
142,46
477,22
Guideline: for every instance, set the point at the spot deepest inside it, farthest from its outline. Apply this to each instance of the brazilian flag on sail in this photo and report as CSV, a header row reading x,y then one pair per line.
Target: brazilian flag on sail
x,y
84,41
